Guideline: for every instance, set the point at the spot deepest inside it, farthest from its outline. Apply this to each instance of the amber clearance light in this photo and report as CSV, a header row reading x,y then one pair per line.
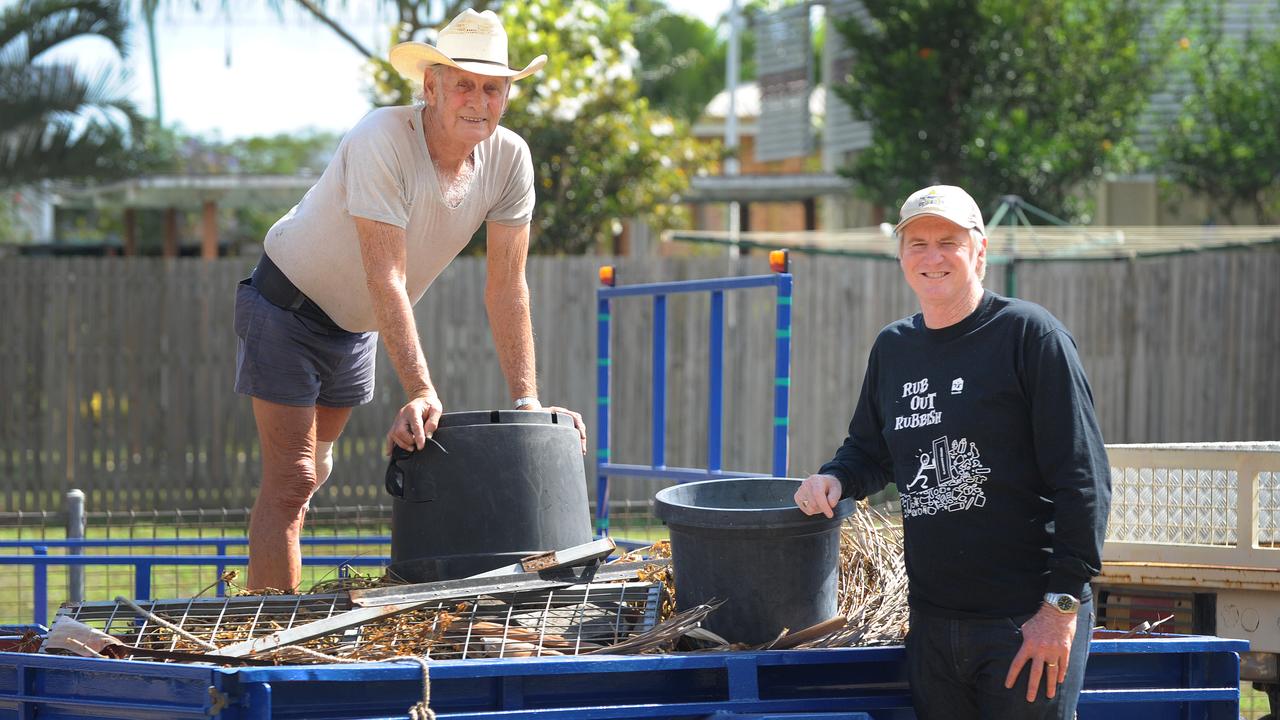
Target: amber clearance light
x,y
779,261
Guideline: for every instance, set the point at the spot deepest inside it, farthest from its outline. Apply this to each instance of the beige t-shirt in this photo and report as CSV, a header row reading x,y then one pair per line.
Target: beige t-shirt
x,y
382,171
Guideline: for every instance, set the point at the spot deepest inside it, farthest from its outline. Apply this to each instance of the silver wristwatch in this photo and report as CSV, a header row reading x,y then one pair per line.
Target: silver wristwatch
x,y
1062,602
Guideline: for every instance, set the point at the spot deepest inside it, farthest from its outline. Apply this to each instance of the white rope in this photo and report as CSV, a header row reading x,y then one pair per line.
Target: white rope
x,y
300,650
420,710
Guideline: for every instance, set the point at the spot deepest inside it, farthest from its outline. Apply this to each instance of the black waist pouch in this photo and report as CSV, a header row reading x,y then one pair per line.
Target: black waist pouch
x,y
280,291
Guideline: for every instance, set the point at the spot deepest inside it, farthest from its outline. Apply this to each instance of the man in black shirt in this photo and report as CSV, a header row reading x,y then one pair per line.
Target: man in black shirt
x,y
978,409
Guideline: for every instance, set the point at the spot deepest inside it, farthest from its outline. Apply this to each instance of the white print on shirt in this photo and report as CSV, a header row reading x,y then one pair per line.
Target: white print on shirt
x,y
957,386
919,401
950,478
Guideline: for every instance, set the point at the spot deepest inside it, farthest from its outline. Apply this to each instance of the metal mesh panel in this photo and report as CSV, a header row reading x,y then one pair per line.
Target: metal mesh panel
x,y
564,621
215,620
1175,506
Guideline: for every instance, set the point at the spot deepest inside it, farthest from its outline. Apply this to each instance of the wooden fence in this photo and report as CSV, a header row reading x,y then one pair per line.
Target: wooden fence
x,y
116,374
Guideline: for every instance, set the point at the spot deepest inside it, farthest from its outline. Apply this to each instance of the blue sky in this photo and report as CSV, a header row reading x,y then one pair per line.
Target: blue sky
x,y
258,74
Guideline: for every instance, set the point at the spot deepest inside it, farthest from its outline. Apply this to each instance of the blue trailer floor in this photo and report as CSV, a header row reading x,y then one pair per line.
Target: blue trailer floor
x,y
1135,679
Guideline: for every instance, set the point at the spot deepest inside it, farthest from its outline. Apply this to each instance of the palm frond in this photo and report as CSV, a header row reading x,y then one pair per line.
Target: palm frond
x,y
63,150
42,24
56,119
36,92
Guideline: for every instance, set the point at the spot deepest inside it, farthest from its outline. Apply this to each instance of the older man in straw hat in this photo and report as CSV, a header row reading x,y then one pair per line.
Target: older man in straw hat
x,y
978,409
404,193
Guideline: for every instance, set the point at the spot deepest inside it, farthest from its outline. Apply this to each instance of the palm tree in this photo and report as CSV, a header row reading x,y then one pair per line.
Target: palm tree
x,y
55,121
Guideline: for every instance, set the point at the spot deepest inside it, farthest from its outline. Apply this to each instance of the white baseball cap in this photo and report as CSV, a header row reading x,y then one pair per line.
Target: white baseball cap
x,y
944,201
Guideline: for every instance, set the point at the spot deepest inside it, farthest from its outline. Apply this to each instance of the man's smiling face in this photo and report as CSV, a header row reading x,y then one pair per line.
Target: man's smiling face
x,y
941,260
468,105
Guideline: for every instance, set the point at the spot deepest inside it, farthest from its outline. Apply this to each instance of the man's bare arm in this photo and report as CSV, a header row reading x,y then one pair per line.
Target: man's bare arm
x,y
382,250
506,297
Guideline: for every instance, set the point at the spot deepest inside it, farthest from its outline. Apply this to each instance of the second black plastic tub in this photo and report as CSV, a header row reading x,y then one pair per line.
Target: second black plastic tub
x,y
494,487
744,541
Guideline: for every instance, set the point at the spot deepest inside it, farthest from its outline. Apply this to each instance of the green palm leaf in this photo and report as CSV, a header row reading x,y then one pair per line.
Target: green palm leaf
x,y
57,121
42,24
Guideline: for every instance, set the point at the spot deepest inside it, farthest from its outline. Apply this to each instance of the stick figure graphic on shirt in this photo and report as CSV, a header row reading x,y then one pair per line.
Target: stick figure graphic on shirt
x,y
926,463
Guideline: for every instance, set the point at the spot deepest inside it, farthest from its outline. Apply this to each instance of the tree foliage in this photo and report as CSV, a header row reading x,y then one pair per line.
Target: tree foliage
x,y
1224,143
1000,96
57,122
682,60
600,152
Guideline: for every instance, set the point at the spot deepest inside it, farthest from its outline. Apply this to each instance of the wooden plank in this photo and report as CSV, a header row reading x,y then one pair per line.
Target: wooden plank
x,y
209,230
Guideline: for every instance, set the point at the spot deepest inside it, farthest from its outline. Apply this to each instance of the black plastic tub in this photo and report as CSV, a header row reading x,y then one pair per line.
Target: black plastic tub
x,y
497,487
744,541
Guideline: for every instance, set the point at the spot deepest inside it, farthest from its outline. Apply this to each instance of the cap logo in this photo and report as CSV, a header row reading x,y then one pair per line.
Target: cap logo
x,y
946,201
930,199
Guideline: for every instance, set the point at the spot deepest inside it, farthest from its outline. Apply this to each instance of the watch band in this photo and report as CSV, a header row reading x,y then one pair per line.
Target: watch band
x,y
1062,602
522,401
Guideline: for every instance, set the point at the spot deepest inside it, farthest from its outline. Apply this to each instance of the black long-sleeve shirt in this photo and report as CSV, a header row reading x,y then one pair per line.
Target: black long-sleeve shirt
x,y
987,427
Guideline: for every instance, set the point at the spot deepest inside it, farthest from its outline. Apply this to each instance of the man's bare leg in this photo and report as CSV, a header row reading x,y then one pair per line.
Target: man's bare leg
x,y
287,435
329,424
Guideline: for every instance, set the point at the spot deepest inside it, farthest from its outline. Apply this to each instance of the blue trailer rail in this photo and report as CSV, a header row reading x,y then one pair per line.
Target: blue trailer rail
x,y
1157,678
781,282
40,560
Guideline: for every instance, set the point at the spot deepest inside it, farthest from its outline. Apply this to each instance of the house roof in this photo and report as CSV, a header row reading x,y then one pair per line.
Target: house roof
x,y
765,188
189,192
711,124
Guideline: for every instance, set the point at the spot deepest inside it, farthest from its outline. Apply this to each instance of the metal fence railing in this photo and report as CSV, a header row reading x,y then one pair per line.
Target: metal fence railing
x,y
42,574
182,553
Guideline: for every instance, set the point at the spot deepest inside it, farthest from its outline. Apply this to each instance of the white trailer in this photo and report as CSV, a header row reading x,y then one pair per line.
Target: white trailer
x,y
1194,532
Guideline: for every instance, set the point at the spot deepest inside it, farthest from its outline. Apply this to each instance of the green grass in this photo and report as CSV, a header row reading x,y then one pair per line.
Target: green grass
x,y
635,526
1253,703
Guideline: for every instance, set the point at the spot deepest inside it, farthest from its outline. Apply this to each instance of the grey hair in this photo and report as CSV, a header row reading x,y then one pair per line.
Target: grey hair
x,y
977,238
420,95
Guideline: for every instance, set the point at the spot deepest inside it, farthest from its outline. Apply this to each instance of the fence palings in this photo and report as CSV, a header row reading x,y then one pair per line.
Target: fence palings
x,y
117,373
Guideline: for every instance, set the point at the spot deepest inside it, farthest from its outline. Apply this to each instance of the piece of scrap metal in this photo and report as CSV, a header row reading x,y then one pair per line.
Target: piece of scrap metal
x,y
568,557
500,584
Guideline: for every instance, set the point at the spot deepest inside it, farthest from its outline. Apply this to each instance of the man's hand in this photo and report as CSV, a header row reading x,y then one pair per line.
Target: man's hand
x,y
415,422
1046,643
578,423
818,494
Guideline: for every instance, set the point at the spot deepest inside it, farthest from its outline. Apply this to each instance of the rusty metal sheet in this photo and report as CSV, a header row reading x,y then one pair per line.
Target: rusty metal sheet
x,y
1190,575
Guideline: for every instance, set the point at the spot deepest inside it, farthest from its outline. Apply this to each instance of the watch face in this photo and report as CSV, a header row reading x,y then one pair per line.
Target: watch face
x,y
1067,604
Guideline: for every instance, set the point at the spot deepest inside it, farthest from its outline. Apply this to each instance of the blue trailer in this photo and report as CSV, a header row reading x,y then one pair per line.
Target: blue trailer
x,y
1154,678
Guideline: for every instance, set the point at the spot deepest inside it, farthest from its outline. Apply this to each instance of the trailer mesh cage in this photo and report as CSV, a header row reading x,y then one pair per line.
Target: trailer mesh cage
x,y
562,621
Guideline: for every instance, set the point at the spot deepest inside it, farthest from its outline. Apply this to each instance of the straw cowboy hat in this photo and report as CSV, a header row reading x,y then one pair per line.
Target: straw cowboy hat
x,y
473,41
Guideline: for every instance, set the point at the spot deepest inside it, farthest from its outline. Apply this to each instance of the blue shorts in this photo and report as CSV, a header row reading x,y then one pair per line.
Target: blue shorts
x,y
285,358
